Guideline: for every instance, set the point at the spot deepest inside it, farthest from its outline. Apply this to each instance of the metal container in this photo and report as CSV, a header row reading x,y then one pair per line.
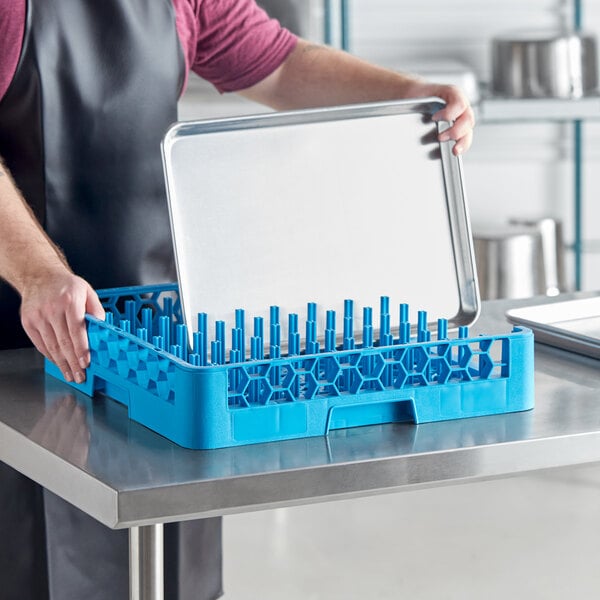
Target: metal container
x,y
544,64
552,251
509,261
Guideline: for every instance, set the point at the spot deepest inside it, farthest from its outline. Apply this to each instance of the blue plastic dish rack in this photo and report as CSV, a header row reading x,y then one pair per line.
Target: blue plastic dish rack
x,y
198,399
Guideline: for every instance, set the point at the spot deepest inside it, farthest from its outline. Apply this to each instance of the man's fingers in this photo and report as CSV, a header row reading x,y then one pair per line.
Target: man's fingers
x,y
461,131
54,350
53,315
36,337
62,347
93,306
75,319
456,104
463,144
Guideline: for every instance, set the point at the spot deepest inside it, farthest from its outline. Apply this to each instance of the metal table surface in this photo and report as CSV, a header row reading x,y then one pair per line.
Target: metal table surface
x,y
127,476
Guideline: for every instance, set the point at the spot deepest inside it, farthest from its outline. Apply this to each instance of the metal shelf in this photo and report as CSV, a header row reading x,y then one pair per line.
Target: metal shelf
x,y
501,110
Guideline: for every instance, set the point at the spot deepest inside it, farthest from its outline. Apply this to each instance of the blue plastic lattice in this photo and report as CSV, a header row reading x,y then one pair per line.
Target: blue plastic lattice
x,y
199,399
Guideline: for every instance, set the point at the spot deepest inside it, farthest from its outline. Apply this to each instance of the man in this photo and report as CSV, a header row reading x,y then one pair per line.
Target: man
x,y
87,90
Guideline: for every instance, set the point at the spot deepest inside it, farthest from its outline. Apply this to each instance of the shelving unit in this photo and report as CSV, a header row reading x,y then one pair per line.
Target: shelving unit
x,y
499,110
505,110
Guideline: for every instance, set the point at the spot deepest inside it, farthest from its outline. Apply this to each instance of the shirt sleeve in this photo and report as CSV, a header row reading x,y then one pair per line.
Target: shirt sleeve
x,y
12,26
238,44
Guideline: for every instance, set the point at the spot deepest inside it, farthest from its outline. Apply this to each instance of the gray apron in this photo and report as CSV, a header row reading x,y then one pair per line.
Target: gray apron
x,y
80,128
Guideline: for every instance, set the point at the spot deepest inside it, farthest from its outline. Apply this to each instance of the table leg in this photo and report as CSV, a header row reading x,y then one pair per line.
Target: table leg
x,y
146,563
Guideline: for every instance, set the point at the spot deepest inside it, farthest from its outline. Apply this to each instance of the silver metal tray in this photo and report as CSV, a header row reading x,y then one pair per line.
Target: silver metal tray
x,y
571,325
320,205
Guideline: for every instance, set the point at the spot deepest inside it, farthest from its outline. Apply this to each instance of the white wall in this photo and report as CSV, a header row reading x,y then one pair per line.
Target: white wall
x,y
513,170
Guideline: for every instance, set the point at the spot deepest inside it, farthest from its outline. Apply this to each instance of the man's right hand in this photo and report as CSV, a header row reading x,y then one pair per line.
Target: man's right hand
x,y
53,300
53,308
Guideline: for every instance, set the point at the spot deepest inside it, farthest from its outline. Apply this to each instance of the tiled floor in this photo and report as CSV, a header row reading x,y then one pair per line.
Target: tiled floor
x,y
533,537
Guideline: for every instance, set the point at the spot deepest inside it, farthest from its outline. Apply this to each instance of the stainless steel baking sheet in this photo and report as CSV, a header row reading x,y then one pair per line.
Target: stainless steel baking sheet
x,y
573,325
320,205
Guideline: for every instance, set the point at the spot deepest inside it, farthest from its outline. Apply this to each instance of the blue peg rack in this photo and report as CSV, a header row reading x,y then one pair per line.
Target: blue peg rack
x,y
204,397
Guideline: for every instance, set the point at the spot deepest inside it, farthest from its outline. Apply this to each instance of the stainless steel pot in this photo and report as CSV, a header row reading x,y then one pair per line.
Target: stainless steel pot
x,y
509,262
544,64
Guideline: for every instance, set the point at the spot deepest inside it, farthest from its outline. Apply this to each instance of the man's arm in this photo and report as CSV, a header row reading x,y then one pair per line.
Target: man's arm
x,y
53,299
314,75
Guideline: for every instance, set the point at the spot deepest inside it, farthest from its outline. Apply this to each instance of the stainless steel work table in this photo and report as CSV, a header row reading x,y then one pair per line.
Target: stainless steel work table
x,y
129,477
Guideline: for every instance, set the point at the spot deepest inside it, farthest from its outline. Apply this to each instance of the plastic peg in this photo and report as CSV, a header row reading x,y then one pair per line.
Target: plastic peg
x,y
131,312
220,337
422,326
348,318
348,341
442,329
293,335
294,345
147,319
330,319
109,318
275,343
311,311
240,323
293,322
404,332
275,339
463,332
273,313
275,373
384,305
312,347
256,348
330,340
274,334
330,334
259,327
275,327
200,347
311,332
236,339
240,318
234,356
142,333
215,352
125,325
181,336
385,338
168,307
164,330
367,327
404,313
158,342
